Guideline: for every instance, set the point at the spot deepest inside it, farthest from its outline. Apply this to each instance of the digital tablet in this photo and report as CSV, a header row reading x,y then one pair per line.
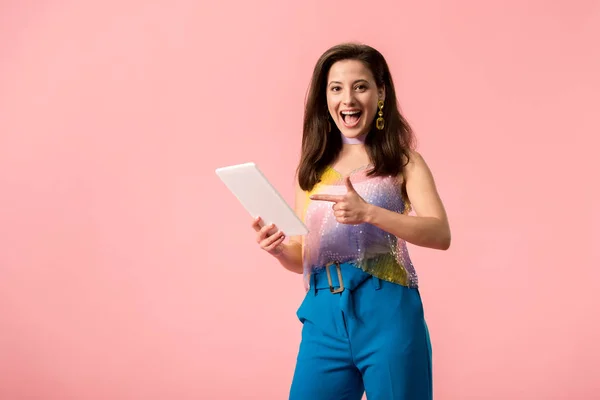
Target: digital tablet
x,y
260,198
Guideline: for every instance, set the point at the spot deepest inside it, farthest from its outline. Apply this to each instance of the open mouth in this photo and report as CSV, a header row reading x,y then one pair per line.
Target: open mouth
x,y
351,118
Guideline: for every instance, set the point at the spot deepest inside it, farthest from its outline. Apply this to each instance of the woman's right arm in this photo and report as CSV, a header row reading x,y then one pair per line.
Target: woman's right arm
x,y
288,254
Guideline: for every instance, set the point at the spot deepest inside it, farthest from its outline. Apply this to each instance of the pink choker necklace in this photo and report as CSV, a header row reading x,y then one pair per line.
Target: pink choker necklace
x,y
356,140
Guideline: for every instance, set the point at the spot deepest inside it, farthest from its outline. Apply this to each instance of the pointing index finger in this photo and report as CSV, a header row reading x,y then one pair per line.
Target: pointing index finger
x,y
327,197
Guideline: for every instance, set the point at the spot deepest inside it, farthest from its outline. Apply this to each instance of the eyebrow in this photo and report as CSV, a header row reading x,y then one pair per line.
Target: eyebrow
x,y
355,82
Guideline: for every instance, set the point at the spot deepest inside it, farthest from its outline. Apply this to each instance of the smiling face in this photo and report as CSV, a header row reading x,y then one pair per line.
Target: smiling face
x,y
352,97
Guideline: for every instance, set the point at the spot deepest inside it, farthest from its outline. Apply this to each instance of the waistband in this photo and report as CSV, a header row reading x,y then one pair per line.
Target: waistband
x,y
341,279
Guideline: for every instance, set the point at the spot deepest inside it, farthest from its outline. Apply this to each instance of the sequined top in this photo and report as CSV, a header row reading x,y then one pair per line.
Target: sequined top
x,y
368,247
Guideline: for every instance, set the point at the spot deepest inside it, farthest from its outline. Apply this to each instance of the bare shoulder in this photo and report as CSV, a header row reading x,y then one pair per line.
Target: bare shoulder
x,y
421,188
414,166
415,160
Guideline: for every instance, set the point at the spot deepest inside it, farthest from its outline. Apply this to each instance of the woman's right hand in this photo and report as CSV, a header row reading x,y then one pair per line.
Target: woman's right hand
x,y
269,238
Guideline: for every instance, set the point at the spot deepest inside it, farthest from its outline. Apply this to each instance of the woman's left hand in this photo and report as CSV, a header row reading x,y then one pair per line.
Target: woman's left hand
x,y
349,208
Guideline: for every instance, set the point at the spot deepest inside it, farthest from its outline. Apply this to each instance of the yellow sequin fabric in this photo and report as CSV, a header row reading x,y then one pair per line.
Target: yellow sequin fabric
x,y
372,249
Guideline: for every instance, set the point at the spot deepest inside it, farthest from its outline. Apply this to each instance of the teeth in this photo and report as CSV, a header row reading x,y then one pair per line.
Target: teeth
x,y
350,112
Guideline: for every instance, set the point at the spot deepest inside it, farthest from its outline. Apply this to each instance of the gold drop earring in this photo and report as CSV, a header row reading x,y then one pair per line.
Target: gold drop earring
x,y
380,123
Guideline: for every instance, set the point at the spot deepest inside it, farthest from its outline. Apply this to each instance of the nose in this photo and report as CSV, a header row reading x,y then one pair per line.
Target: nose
x,y
348,97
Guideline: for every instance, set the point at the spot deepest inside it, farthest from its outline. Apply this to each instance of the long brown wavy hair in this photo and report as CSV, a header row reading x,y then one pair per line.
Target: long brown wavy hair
x,y
388,149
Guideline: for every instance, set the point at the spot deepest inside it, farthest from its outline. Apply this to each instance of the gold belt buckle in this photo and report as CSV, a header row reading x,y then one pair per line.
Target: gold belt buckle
x,y
339,273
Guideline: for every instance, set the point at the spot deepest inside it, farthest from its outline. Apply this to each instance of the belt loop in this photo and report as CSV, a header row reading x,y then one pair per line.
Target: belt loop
x,y
313,284
377,283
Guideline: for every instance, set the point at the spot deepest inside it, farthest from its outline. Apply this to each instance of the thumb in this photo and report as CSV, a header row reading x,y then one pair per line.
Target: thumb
x,y
349,185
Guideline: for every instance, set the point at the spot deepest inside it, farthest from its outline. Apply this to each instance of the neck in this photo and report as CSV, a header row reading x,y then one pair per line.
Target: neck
x,y
357,140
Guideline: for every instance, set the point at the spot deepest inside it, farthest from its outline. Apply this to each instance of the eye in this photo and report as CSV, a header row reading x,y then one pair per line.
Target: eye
x,y
361,87
335,88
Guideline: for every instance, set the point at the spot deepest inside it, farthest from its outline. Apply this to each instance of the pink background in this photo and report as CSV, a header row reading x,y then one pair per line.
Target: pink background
x,y
127,271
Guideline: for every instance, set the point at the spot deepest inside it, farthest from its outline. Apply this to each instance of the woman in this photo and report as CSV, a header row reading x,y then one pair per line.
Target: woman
x,y
358,178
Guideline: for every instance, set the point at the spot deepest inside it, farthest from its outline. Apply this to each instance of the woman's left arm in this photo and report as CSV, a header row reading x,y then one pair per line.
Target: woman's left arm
x,y
430,227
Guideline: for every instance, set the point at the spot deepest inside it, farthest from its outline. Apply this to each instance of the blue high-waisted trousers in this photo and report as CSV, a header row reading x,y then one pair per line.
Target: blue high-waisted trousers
x,y
371,336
